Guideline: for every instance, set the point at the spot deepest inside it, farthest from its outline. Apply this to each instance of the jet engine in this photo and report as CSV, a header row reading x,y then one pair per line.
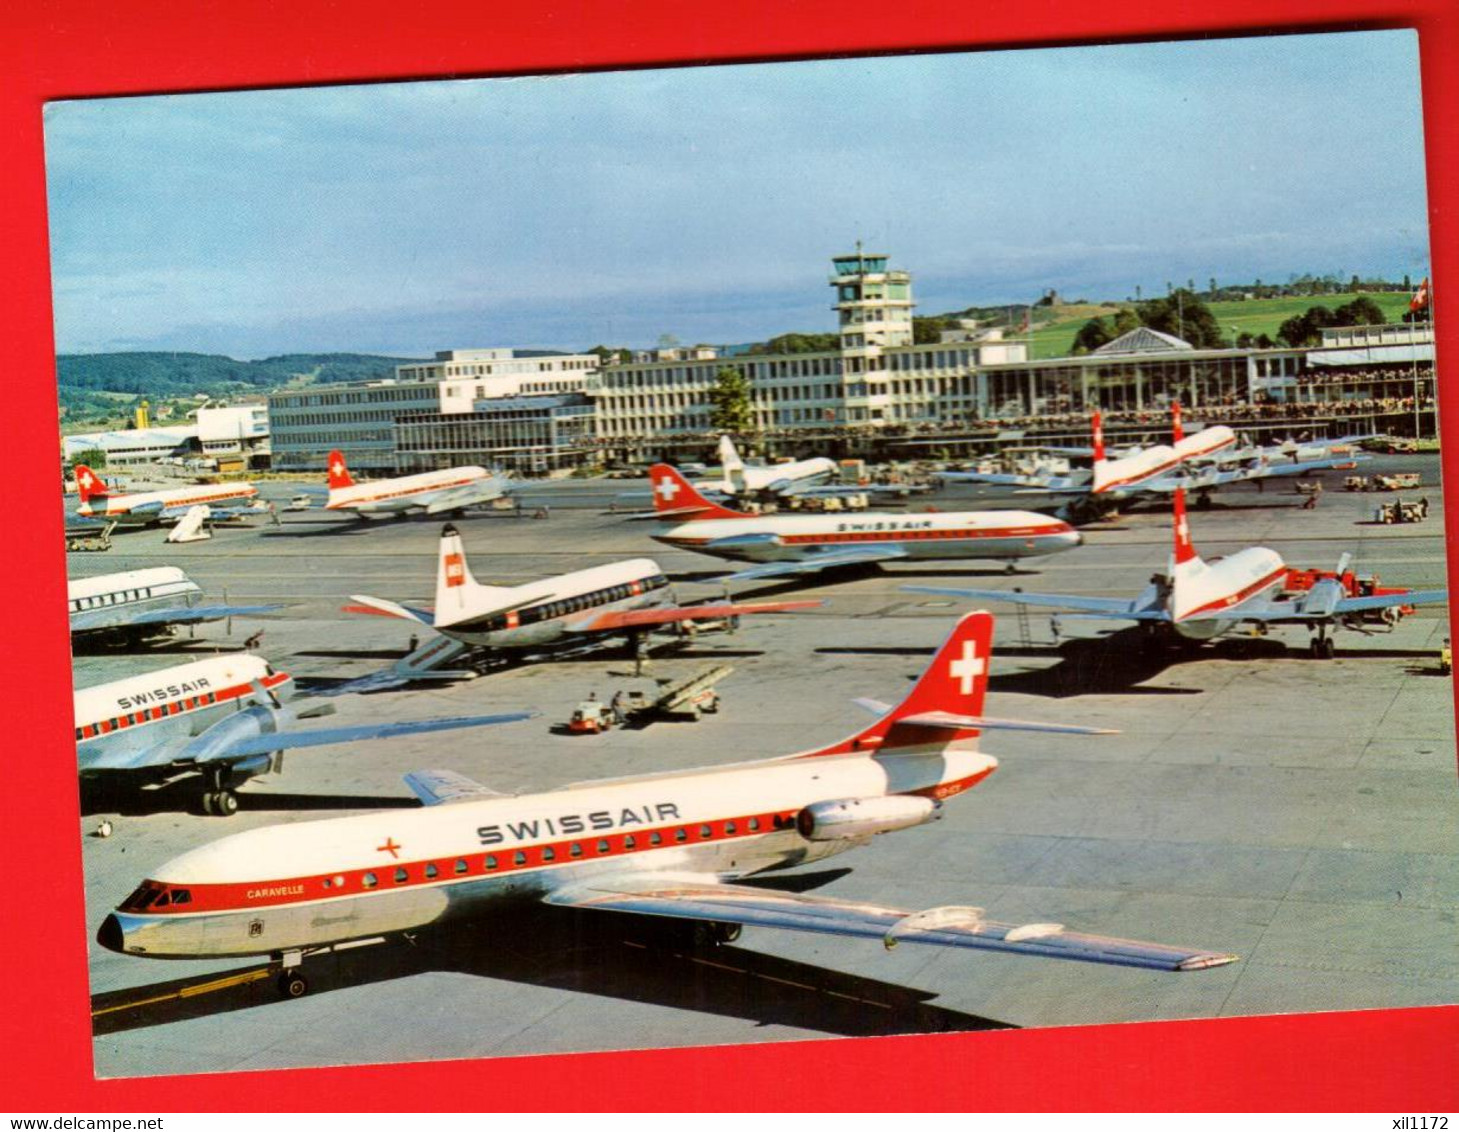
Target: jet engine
x,y
846,818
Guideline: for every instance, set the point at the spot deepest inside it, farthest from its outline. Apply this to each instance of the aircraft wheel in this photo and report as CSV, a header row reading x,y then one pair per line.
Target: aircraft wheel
x,y
226,804
293,985
722,932
210,803
1329,649
1314,648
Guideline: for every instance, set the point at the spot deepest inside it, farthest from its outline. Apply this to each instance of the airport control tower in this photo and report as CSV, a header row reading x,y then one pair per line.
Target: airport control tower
x,y
875,309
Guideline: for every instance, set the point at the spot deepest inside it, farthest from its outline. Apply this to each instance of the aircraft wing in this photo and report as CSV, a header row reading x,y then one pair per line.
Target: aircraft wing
x,y
1001,479
616,621
467,495
442,787
851,556
380,607
697,898
323,736
178,615
1108,606
1304,611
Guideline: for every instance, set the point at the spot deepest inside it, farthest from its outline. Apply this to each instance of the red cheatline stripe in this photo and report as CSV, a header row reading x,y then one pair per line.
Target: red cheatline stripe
x,y
479,863
1238,596
419,489
963,534
181,706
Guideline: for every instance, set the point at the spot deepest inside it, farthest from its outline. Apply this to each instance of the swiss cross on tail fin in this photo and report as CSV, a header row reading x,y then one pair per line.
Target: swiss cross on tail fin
x,y
339,473
677,498
1097,424
89,484
955,683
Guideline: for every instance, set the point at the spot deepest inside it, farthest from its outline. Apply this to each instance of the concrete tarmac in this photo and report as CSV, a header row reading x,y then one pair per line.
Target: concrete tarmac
x,y
1299,813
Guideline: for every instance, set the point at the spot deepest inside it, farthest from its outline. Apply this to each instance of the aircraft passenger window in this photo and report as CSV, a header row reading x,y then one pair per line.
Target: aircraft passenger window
x,y
401,876
603,846
548,855
656,838
630,842
754,824
519,858
729,827
460,865
370,880
706,831
681,834
576,850
431,871
490,861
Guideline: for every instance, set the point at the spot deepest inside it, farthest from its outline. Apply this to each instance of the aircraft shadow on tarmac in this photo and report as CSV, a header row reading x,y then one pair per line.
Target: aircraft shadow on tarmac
x,y
837,575
120,794
620,956
1121,662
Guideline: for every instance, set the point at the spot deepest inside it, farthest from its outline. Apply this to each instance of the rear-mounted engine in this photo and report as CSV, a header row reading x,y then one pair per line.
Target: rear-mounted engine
x,y
861,817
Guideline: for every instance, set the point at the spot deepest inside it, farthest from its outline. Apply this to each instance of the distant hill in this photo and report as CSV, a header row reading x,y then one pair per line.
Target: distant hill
x,y
178,374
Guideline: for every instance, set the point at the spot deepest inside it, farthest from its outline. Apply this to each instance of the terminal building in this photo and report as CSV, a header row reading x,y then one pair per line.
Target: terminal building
x,y
876,375
545,412
360,418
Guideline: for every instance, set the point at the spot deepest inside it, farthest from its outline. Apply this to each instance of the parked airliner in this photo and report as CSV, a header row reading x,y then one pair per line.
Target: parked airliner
x,y
621,599
136,604
803,543
142,508
1198,600
222,718
435,493
667,845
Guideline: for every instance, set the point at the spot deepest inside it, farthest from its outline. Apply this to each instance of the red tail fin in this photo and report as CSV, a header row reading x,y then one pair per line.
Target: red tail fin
x,y
677,498
339,473
954,683
1184,550
1098,425
1177,434
89,484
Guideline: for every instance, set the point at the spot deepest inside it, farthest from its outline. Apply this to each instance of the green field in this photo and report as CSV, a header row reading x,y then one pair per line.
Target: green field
x,y
1254,316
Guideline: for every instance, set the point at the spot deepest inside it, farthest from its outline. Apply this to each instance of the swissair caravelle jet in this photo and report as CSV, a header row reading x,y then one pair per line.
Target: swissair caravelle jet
x,y
1199,600
803,543
141,508
622,599
667,844
141,603
450,489
222,718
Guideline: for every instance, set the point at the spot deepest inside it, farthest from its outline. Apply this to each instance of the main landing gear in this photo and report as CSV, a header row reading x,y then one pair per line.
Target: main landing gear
x,y
292,984
1322,647
219,800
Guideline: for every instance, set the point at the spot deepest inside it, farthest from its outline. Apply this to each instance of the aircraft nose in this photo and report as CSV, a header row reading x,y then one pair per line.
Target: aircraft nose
x,y
109,935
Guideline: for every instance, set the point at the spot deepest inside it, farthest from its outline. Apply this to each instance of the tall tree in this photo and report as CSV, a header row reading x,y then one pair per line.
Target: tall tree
x,y
1092,335
1186,317
733,409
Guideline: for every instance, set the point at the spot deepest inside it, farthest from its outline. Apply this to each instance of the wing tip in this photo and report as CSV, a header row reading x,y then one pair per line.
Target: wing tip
x,y
1205,961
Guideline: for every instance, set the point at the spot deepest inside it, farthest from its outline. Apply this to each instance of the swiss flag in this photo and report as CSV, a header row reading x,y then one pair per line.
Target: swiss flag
x,y
1421,298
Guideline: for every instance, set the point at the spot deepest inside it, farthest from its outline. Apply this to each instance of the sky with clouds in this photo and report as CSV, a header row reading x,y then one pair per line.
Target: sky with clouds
x,y
562,212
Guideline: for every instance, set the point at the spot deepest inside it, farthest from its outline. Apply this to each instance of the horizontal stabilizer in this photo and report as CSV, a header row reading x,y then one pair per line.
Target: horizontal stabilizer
x,y
364,603
951,721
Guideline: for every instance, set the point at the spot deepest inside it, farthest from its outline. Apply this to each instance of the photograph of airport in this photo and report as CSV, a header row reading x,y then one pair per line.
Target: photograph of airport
x,y
746,553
